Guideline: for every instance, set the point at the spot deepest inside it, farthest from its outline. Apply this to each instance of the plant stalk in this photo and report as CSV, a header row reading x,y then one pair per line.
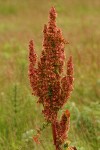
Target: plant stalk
x,y
54,134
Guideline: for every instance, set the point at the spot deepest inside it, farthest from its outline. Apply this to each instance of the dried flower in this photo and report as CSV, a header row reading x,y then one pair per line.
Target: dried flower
x,y
36,139
47,80
62,128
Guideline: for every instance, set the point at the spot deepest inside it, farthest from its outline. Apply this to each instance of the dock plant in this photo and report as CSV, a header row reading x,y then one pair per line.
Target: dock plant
x,y
51,82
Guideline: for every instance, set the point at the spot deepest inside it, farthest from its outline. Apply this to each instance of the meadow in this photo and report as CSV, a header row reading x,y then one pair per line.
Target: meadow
x,y
20,115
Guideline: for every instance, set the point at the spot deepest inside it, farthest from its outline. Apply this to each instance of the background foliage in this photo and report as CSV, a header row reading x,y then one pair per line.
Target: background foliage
x,y
23,20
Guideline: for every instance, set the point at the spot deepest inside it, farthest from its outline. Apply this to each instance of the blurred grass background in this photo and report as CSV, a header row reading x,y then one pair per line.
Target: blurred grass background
x,y
23,20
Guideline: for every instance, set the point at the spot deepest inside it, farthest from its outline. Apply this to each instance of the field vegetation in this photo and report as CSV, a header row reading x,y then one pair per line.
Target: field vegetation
x,y
20,115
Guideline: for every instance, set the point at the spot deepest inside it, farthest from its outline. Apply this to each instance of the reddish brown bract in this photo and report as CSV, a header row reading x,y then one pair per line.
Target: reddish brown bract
x,y
47,80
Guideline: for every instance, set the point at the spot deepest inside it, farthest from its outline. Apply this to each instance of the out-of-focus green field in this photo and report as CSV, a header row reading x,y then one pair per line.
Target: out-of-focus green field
x,y
23,20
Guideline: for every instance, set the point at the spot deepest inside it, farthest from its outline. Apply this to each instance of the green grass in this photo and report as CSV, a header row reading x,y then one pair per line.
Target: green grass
x,y
20,114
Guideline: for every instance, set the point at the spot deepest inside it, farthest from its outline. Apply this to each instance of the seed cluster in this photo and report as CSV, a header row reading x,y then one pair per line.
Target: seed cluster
x,y
47,80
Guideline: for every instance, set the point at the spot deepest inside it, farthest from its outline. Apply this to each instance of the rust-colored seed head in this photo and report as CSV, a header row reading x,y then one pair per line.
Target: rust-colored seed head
x,y
47,82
